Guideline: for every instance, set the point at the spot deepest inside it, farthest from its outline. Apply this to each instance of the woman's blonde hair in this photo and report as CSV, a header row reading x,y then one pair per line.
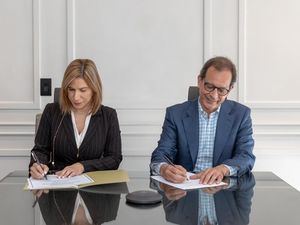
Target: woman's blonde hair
x,y
87,70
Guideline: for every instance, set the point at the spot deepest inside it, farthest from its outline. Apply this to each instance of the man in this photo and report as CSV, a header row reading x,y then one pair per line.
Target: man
x,y
211,136
231,205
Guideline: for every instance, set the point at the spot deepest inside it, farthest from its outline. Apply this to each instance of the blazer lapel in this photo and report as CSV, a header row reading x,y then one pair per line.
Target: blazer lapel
x,y
191,128
68,127
223,130
91,131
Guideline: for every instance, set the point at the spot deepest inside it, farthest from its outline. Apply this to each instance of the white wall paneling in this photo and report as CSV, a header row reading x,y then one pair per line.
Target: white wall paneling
x,y
267,40
148,52
268,55
207,30
20,56
70,30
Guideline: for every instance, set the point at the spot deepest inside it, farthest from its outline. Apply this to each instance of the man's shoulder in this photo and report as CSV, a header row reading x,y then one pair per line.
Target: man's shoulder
x,y
182,106
235,106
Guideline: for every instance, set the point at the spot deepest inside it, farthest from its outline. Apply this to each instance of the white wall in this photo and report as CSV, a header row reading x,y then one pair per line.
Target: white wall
x,y
148,53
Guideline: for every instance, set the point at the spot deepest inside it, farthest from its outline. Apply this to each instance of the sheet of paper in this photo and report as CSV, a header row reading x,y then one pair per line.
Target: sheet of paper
x,y
188,184
55,182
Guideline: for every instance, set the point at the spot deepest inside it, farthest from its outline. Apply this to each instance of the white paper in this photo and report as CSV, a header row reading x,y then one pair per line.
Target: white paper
x,y
188,184
55,182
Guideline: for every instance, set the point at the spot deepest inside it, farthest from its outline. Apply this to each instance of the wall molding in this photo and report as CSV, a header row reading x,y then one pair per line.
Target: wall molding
x,y
207,30
36,33
152,129
242,65
71,31
71,46
14,152
137,154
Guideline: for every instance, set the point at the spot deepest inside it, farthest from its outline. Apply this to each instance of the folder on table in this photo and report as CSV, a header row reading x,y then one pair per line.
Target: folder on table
x,y
83,180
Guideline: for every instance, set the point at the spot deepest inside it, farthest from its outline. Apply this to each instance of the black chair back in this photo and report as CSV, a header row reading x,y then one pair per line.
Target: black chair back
x,y
193,92
39,115
56,94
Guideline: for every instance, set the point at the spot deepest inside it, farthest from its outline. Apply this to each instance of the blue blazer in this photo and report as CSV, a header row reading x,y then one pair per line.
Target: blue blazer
x,y
233,144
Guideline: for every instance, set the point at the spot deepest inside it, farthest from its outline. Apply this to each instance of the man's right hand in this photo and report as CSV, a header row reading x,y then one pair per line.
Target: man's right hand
x,y
172,193
175,174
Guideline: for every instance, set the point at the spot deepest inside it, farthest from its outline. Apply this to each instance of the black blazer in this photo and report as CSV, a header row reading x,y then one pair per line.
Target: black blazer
x,y
99,150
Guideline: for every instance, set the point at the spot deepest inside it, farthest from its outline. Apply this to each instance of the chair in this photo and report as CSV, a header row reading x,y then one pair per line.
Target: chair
x,y
39,115
193,92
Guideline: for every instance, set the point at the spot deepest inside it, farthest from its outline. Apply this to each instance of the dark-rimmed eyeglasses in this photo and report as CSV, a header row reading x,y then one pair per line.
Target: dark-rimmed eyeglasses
x,y
220,90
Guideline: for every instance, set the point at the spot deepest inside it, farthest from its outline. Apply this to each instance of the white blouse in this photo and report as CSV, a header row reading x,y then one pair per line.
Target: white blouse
x,y
80,201
79,137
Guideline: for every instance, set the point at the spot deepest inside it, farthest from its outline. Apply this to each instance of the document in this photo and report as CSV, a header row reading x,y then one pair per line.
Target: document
x,y
53,182
188,184
81,181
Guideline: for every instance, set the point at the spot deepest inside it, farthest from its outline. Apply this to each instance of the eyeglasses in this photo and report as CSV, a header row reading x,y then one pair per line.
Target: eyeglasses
x,y
210,88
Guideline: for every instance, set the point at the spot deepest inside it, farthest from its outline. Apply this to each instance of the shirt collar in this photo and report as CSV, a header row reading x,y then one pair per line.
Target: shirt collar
x,y
201,110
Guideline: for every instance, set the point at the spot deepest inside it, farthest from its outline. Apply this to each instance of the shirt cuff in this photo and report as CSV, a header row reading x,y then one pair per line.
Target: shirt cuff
x,y
155,168
232,183
232,170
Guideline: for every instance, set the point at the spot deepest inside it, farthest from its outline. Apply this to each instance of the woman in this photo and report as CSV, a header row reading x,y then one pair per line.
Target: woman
x,y
79,134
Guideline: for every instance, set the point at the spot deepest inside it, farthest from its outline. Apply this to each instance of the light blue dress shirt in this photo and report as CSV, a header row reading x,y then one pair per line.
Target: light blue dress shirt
x,y
207,134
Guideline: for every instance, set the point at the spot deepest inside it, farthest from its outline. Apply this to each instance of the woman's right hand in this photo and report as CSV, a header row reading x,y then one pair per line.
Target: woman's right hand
x,y
37,171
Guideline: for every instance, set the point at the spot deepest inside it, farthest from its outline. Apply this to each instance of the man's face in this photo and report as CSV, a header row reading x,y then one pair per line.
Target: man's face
x,y
214,88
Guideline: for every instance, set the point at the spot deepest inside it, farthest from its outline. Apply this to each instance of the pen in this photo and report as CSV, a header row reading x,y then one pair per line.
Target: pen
x,y
35,201
172,164
36,159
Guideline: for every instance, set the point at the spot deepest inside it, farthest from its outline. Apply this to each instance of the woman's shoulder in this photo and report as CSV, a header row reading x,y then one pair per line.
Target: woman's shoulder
x,y
106,111
107,108
52,107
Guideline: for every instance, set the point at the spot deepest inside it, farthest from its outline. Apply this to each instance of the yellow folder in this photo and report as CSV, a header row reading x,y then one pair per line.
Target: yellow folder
x,y
98,177
106,177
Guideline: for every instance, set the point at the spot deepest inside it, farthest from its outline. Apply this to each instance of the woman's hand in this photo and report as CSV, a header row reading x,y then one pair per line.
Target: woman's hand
x,y
38,194
71,171
37,171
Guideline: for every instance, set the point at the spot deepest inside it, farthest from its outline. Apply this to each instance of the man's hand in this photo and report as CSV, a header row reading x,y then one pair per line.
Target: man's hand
x,y
171,192
214,190
212,175
71,171
175,174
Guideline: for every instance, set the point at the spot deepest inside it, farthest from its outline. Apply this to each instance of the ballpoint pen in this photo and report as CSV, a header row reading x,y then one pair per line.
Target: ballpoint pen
x,y
36,159
35,201
172,164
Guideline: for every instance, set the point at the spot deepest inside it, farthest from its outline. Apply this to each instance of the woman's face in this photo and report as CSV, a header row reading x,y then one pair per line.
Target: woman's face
x,y
80,95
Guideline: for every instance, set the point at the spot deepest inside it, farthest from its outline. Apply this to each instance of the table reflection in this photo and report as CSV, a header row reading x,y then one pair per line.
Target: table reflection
x,y
220,205
78,207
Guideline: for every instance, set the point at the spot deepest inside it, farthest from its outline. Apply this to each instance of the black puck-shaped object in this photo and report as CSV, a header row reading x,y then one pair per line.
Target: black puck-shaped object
x,y
143,197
